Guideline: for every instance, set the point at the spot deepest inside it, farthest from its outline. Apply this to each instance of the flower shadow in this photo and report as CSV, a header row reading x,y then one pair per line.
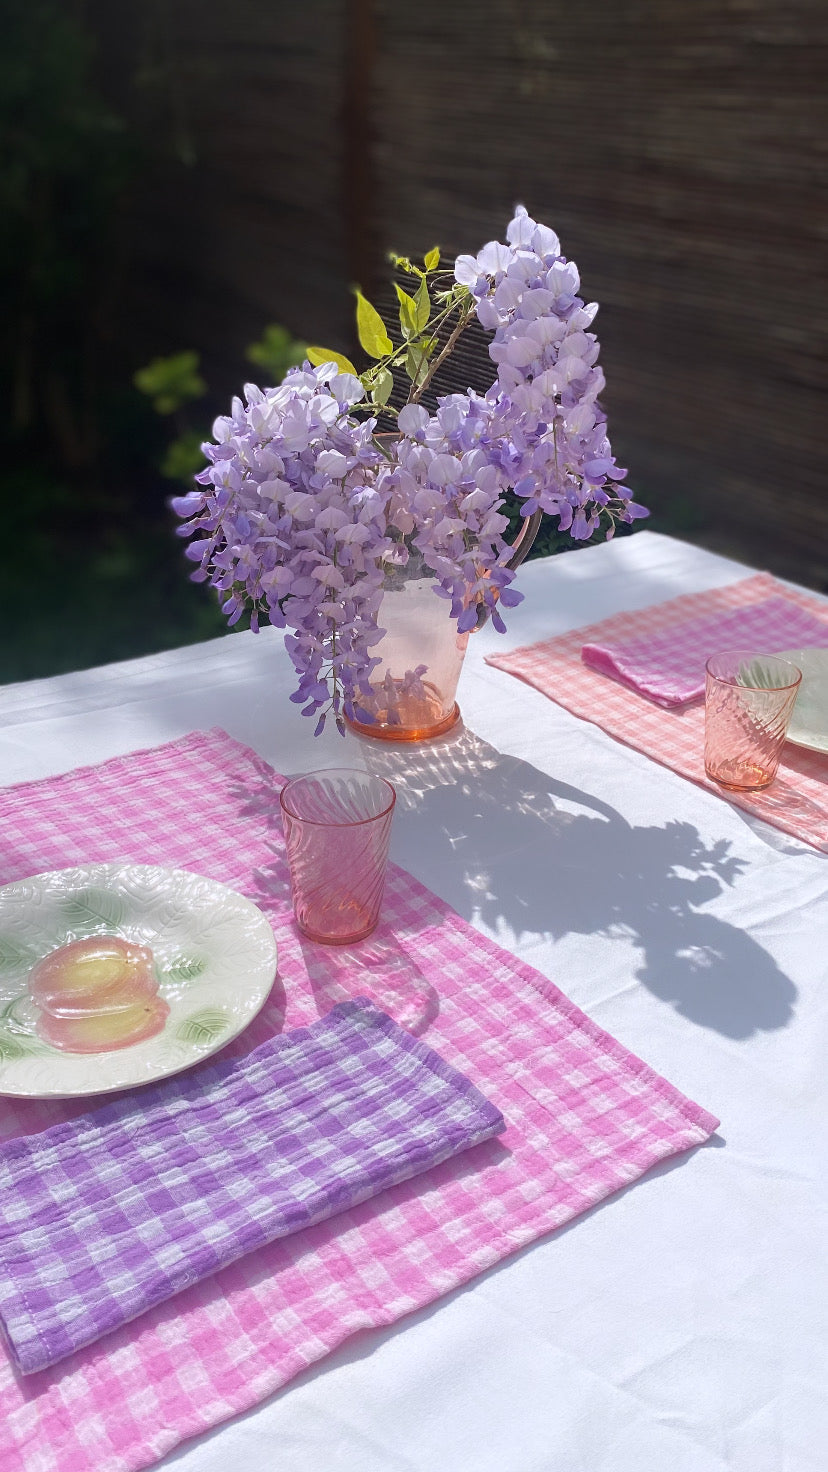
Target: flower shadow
x,y
504,847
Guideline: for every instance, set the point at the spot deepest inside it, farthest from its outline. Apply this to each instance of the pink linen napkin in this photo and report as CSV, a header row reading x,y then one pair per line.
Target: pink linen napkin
x,y
796,801
584,1117
667,664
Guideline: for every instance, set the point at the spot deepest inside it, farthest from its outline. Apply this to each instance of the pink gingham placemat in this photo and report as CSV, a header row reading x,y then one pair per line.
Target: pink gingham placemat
x,y
584,1117
797,801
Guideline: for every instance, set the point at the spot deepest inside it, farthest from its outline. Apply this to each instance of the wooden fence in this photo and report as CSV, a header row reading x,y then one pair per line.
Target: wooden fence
x,y
677,146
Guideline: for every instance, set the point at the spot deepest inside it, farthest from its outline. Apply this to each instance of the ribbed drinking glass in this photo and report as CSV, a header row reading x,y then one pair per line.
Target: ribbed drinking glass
x,y
337,828
749,698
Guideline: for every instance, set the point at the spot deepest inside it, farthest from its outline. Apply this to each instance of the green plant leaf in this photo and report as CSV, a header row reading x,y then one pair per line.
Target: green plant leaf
x,y
408,312
91,908
202,1027
171,382
184,457
276,352
416,364
432,260
403,264
382,386
318,356
422,305
185,968
371,329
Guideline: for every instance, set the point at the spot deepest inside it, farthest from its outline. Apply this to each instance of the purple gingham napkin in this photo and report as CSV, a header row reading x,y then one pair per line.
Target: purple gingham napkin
x,y
667,664
110,1213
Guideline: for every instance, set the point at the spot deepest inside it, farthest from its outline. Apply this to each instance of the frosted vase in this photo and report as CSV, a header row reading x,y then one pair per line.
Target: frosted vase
x,y
421,652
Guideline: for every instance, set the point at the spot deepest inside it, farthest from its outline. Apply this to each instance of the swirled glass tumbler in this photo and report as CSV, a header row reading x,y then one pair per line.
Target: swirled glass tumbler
x,y
337,828
749,698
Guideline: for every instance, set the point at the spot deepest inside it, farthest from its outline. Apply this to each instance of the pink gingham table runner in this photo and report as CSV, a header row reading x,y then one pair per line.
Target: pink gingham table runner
x,y
667,663
584,1117
796,802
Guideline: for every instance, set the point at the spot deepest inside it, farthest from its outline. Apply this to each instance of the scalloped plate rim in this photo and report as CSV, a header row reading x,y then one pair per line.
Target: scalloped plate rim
x,y
177,878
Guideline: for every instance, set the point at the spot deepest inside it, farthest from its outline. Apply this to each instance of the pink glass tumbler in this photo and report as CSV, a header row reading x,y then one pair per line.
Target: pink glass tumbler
x,y
749,698
337,829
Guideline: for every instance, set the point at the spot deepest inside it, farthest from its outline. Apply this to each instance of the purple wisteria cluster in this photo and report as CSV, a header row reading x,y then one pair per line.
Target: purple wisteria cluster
x,y
291,525
301,511
547,434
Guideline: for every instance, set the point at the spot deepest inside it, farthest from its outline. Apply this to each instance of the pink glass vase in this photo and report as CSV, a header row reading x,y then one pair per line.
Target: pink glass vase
x,y
421,652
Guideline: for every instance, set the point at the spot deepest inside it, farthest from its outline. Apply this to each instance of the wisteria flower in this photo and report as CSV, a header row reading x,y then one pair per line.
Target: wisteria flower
x,y
301,511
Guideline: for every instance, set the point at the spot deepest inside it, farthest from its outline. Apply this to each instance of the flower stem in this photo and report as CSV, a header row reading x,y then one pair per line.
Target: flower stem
x,y
416,393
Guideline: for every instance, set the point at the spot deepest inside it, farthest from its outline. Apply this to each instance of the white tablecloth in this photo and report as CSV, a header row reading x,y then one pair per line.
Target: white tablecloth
x,y
681,1325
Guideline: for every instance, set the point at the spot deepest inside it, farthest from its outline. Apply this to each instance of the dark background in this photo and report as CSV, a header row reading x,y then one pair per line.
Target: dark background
x,y
179,174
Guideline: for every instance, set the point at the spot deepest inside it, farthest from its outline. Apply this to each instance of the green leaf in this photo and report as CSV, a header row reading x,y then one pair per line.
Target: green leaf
x,y
371,329
183,457
185,968
276,352
381,389
402,263
423,305
416,364
432,260
171,382
318,356
202,1027
92,907
408,312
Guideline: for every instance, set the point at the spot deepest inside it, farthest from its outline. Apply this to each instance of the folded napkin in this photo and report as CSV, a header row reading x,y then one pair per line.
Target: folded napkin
x,y
667,664
108,1214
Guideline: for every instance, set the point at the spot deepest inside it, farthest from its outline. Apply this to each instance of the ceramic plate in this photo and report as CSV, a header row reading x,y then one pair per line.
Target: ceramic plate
x,y
809,722
212,963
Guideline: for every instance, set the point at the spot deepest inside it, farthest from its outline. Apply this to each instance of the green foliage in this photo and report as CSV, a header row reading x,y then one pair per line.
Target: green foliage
x,y
184,457
278,351
171,382
318,356
371,331
408,312
550,540
420,325
113,581
381,387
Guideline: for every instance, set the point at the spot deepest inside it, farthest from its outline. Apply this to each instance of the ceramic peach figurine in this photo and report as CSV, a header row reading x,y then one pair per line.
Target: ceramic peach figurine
x,y
97,994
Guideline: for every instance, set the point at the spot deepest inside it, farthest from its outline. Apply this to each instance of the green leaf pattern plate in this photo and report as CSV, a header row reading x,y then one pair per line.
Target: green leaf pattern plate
x,y
809,722
215,959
